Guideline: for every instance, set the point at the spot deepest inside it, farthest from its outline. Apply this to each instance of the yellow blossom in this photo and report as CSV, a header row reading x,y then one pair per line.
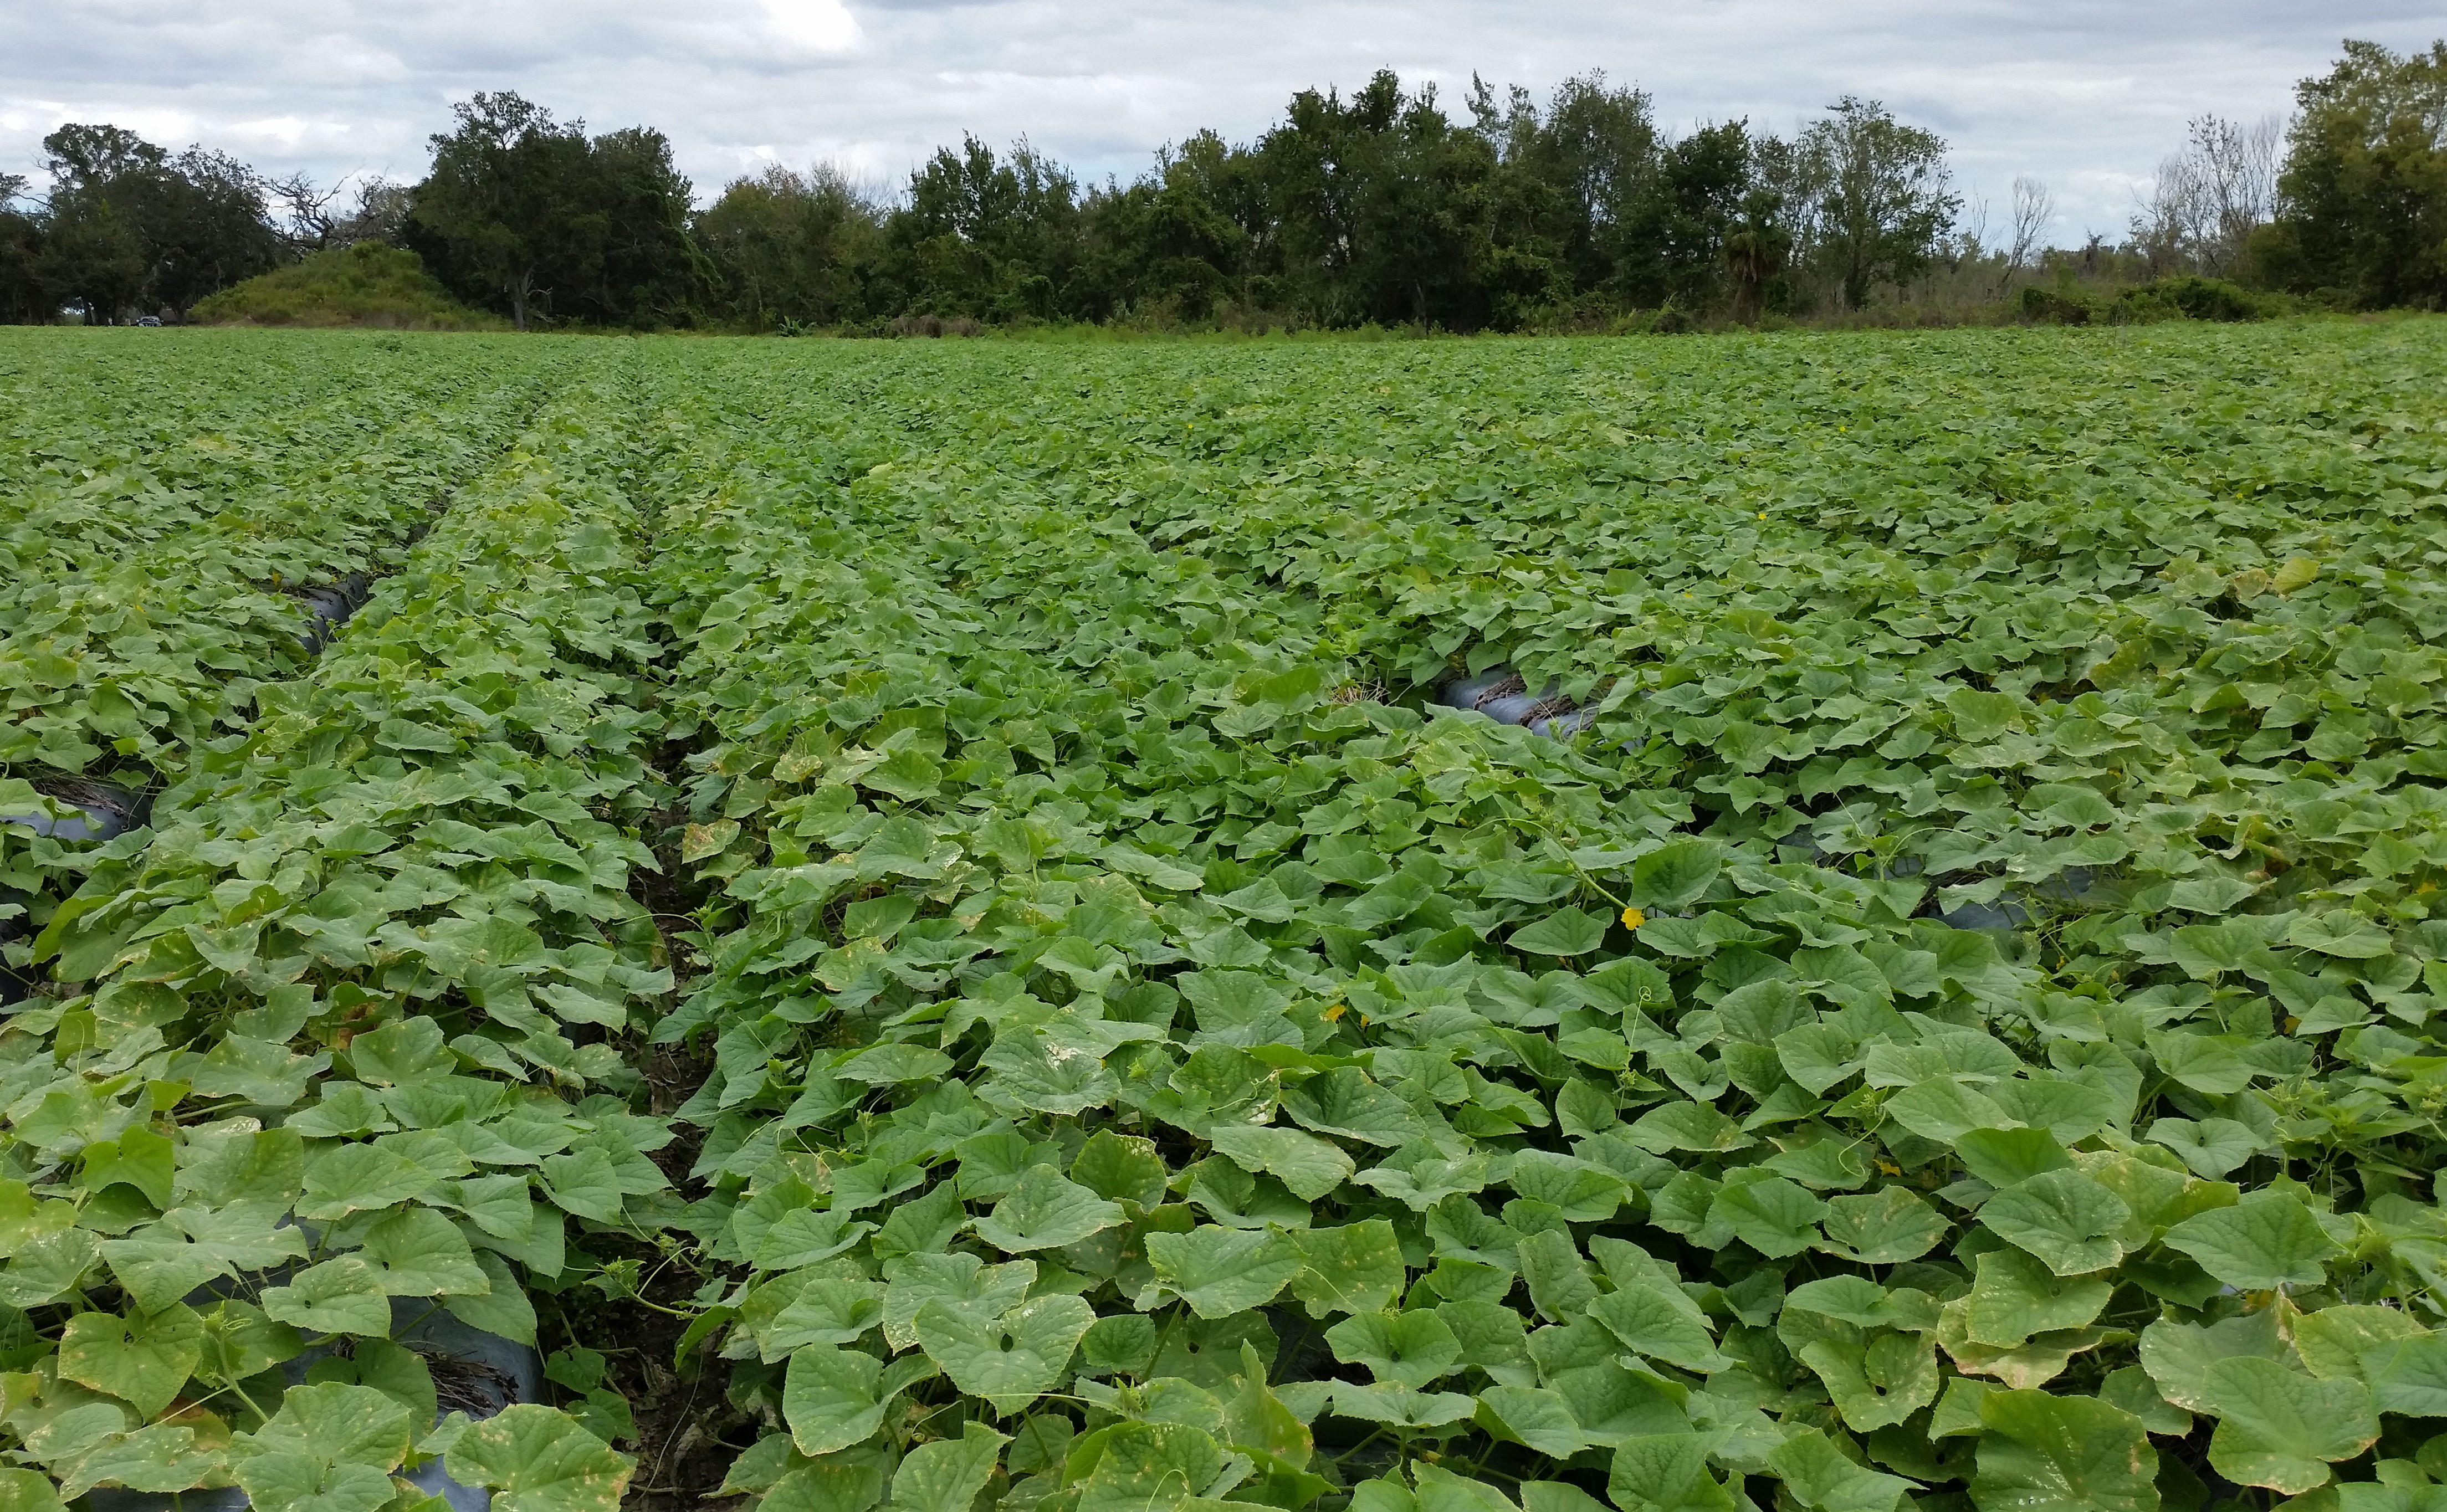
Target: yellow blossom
x,y
1633,919
1332,1013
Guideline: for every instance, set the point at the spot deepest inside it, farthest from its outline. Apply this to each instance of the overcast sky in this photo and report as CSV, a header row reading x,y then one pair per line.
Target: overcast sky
x,y
2085,94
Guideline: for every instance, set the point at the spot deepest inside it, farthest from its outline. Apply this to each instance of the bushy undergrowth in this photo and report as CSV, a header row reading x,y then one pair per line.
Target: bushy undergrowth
x,y
368,284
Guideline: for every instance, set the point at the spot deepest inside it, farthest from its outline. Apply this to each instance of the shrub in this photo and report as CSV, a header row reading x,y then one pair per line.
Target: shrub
x,y
370,284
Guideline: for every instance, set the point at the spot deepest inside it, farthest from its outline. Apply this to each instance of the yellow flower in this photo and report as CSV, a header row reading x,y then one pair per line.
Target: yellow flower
x,y
1633,919
1332,1013
1762,514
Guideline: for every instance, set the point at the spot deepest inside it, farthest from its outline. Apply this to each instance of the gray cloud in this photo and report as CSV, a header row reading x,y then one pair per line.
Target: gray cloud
x,y
2084,93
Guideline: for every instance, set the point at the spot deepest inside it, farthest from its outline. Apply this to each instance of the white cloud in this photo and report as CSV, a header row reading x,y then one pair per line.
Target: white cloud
x,y
2087,94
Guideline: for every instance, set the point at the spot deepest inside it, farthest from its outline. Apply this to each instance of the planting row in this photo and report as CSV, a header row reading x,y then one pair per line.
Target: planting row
x,y
347,1066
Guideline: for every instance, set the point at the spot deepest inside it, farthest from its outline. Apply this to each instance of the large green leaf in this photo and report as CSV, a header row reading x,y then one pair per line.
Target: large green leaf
x,y
1349,1268
2268,1240
1566,932
946,1475
1150,1467
2046,1453
1219,1272
830,1397
141,1360
1308,1165
2279,1427
1402,1348
1046,1211
1008,1360
539,1460
2063,1216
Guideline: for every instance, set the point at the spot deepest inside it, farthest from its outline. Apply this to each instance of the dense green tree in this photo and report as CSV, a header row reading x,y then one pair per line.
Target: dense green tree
x,y
790,249
1170,244
1874,196
2363,192
22,296
129,226
528,215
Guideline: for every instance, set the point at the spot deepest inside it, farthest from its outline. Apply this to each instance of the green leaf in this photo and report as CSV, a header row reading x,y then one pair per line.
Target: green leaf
x,y
2014,1296
2005,1157
947,1474
26,1491
142,1360
2063,1216
2341,933
830,1399
1662,1326
1258,1421
1404,1349
2267,1240
1566,932
329,1448
1308,1165
2279,1427
1816,1472
925,1226
422,1254
962,1280
1121,1167
1150,1467
1688,1126
2044,1454
2409,1376
1343,1101
1534,1416
890,1065
1775,1217
139,1158
1665,1472
2333,1340
164,1457
1352,1268
2177,1356
824,1311
826,1485
2211,1147
504,1310
1675,873
1943,1109
1220,1271
1878,1383
338,1423
1009,1360
539,1459
301,1483
1400,1407
1884,1227
1046,1211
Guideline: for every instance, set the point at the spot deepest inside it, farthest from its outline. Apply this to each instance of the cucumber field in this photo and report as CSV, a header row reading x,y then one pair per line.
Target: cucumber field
x,y
1808,922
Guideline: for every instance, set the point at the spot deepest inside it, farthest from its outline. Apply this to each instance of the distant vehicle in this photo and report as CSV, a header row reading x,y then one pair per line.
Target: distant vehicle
x,y
148,320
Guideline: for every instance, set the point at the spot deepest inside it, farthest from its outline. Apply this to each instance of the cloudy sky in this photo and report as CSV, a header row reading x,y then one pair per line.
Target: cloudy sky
x,y
2084,94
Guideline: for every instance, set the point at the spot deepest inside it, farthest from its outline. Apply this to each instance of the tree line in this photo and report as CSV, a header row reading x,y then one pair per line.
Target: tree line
x,y
1381,206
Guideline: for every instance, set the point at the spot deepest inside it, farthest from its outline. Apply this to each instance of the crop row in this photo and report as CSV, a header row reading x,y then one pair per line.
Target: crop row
x,y
348,1056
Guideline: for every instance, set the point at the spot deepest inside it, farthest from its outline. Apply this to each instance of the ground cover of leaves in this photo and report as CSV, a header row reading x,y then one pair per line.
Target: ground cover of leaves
x,y
1142,1055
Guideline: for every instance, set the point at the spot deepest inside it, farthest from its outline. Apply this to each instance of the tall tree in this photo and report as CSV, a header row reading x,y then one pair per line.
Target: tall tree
x,y
504,203
789,247
132,226
22,296
1876,194
2363,192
